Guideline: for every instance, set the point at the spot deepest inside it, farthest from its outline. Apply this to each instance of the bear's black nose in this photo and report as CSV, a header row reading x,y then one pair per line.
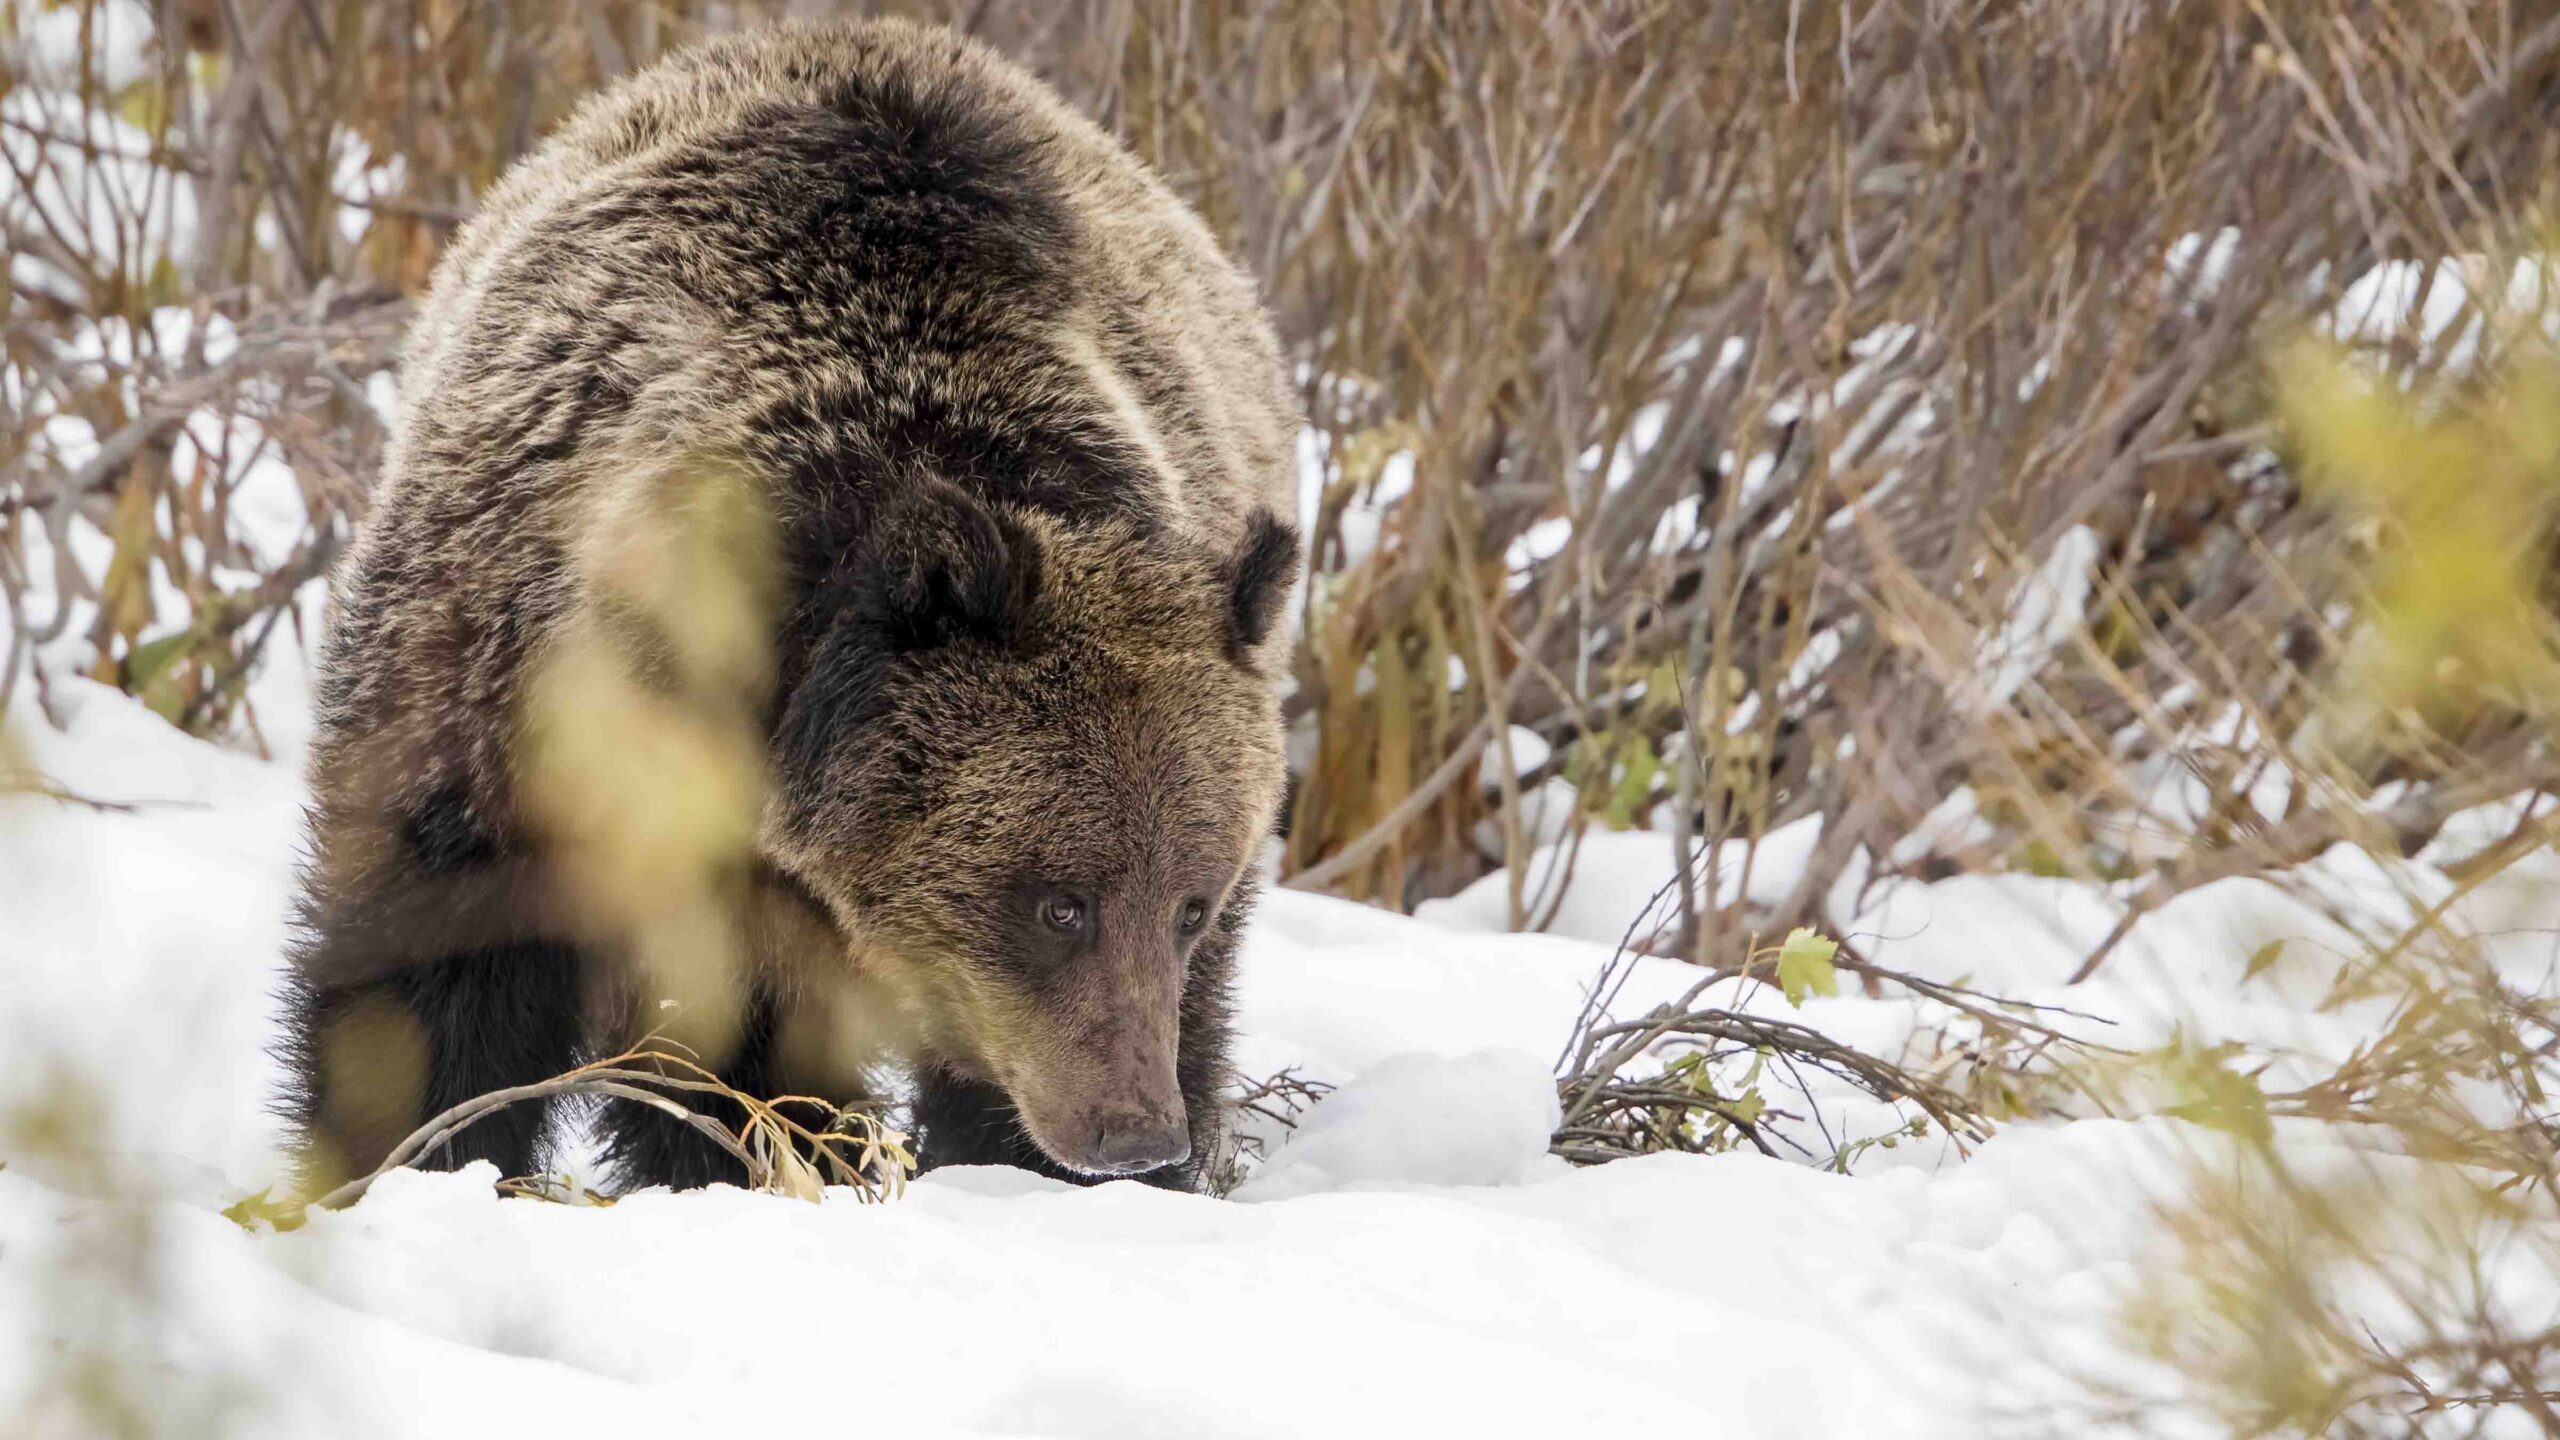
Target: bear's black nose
x,y
1127,1144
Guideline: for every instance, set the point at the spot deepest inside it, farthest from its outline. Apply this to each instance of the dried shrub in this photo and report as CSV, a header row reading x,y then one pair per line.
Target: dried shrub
x,y
1716,390
2401,1283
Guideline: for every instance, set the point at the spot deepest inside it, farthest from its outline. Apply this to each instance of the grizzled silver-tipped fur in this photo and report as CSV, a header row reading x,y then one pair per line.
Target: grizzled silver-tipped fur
x,y
1023,439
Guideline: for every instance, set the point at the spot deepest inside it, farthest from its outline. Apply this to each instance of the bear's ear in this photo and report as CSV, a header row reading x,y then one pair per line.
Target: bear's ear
x,y
1257,581
944,566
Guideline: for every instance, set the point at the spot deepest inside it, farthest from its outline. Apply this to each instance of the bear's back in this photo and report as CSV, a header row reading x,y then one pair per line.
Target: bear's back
x,y
725,225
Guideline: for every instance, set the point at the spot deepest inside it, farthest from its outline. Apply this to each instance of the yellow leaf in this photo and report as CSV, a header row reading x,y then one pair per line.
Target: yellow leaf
x,y
1804,965
263,1211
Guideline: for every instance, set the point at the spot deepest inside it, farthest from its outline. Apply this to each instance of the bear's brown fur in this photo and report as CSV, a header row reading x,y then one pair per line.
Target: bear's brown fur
x,y
1017,444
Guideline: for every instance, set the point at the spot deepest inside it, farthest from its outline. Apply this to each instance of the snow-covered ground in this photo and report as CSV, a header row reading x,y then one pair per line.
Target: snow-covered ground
x,y
1409,1262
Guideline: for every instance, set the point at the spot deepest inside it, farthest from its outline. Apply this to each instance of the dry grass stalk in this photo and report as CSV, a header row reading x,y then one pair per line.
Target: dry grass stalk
x,y
1277,1099
780,1154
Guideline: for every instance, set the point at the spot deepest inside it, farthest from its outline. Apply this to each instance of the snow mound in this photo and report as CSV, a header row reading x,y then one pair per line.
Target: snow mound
x,y
1478,1119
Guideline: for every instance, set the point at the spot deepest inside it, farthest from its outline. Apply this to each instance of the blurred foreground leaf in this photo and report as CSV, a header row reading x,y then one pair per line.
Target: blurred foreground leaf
x,y
2462,491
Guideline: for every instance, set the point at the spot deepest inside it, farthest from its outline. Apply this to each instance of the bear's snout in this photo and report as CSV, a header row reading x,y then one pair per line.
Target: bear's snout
x,y
1124,1115
1128,1142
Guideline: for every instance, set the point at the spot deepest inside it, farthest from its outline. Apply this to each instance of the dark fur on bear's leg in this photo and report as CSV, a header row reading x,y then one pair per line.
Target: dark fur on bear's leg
x,y
960,1121
645,1146
422,1039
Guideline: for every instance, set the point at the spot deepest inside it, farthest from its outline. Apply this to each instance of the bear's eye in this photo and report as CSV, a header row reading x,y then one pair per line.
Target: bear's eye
x,y
1195,913
1063,912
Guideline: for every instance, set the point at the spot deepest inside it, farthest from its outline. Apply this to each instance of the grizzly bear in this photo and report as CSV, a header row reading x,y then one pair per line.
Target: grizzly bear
x,y
1014,441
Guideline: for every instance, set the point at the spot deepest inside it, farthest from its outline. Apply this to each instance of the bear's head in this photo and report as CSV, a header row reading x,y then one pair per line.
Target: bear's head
x,y
1026,764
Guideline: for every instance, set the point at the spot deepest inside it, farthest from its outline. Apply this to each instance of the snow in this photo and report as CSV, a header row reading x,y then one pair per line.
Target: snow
x,y
90,182
1611,877
1408,1259
2195,266
2407,299
1422,1120
990,1304
1529,751
1362,522
49,50
2050,607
